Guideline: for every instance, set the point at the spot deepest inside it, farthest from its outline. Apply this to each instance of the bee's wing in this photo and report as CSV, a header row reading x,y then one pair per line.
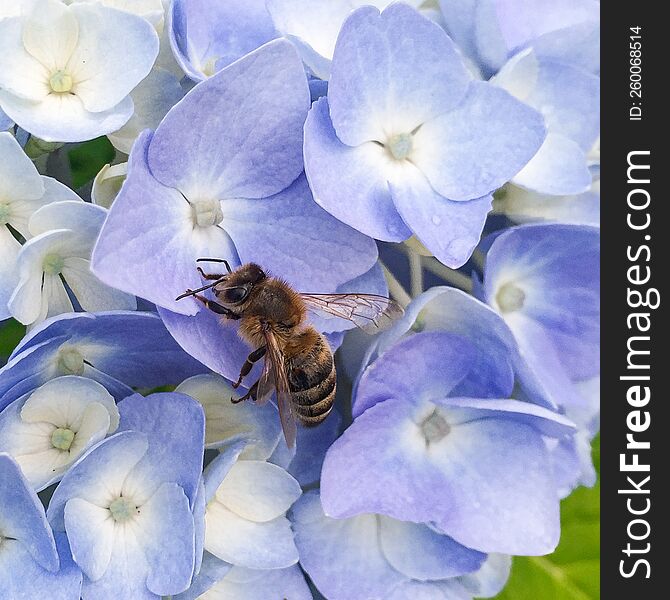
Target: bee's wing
x,y
370,312
273,379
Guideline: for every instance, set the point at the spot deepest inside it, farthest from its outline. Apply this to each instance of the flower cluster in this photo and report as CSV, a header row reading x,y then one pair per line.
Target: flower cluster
x,y
347,147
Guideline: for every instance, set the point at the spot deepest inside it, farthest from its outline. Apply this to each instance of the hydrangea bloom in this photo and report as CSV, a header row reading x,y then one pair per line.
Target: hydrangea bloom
x,y
490,31
116,349
59,77
47,430
404,455
385,558
569,100
126,505
22,191
313,26
59,251
32,563
245,522
208,35
107,184
415,146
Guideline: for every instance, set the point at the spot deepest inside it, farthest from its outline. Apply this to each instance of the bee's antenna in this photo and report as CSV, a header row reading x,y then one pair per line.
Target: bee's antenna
x,y
217,260
193,292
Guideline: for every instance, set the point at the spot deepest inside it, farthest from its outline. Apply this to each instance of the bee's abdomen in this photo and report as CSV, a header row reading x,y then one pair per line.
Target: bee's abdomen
x,y
313,383
314,404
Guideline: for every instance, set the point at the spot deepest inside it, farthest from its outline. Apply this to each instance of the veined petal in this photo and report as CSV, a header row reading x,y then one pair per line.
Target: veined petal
x,y
472,150
101,80
91,293
19,179
50,33
258,491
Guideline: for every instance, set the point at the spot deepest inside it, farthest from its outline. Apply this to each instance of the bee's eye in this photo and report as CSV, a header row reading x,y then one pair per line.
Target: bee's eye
x,y
235,295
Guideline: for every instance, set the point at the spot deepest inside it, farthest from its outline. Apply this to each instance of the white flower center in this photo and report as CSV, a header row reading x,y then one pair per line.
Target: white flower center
x,y
5,210
510,298
70,361
53,264
60,82
206,213
434,427
209,68
123,509
400,145
62,438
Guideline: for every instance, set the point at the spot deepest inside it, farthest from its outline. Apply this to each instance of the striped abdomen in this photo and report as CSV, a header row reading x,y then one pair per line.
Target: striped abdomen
x,y
312,380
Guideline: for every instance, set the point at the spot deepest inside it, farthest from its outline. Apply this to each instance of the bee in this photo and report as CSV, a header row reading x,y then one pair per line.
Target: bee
x,y
298,362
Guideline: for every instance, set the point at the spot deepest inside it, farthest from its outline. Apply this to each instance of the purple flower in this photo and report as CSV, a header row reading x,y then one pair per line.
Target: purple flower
x,y
405,142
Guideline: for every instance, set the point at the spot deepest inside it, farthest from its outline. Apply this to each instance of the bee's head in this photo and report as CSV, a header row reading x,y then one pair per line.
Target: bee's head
x,y
234,289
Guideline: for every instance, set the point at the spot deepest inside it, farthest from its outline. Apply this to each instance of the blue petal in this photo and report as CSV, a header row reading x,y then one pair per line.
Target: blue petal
x,y
175,427
22,517
391,73
293,238
208,30
347,181
253,148
330,547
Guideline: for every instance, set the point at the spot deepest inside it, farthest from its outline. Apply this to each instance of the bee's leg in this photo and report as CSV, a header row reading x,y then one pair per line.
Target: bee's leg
x,y
255,356
216,307
250,394
210,276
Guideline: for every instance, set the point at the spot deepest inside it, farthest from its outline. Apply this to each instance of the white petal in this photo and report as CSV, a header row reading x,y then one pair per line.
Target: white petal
x,y
105,34
9,273
63,400
91,532
91,293
50,33
248,544
107,184
63,118
258,491
84,219
20,73
19,179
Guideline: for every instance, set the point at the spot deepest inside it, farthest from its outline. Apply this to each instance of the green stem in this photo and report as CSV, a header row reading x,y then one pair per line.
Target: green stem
x,y
396,289
452,277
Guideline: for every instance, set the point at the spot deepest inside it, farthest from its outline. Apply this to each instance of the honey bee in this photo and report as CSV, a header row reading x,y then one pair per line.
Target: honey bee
x,y
299,365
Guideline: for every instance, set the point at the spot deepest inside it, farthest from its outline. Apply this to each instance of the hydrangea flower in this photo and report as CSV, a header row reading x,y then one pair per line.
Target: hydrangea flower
x,y
386,558
59,74
48,429
107,184
414,146
569,100
227,188
32,563
117,349
127,504
477,468
313,26
245,522
544,282
489,32
58,253
22,191
208,35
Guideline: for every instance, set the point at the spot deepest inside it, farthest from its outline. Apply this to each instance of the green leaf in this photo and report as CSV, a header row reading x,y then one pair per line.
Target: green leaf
x,y
11,333
87,159
572,572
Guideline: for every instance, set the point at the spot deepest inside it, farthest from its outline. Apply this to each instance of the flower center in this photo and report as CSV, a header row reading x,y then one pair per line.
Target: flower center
x,y
52,264
62,438
122,509
510,298
60,82
400,145
435,427
70,361
206,213
4,212
209,68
